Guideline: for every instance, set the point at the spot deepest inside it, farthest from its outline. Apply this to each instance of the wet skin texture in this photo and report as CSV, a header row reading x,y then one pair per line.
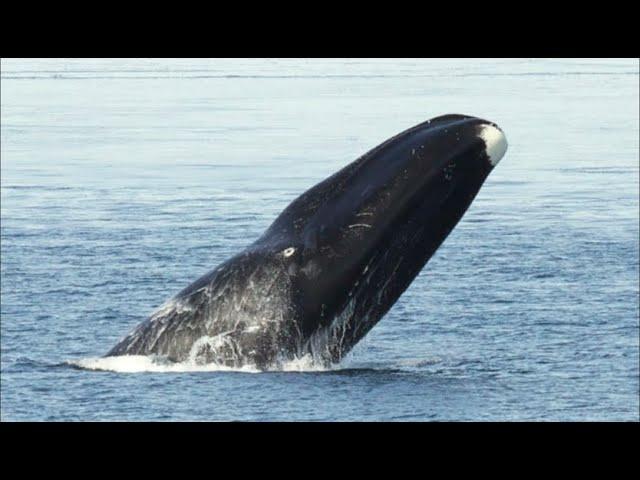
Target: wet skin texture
x,y
335,260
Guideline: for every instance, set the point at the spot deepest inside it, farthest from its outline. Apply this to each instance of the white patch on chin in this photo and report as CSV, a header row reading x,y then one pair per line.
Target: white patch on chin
x,y
495,141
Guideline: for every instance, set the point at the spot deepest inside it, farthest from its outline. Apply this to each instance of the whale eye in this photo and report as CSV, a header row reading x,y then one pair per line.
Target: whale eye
x,y
287,252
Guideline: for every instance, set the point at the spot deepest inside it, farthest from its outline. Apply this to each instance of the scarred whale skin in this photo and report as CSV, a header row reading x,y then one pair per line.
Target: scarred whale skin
x,y
335,260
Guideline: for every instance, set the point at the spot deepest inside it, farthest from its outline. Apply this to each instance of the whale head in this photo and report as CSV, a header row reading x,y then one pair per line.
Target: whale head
x,y
353,243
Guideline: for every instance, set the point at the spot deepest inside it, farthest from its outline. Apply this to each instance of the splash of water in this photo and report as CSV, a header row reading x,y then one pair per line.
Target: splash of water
x,y
160,364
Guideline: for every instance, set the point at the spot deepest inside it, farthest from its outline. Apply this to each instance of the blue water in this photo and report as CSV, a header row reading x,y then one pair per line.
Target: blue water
x,y
125,180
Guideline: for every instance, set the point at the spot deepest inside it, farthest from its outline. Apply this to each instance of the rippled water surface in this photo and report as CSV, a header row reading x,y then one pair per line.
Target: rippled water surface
x,y
125,180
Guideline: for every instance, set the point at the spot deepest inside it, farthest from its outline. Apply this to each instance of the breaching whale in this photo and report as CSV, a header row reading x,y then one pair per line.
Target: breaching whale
x,y
335,260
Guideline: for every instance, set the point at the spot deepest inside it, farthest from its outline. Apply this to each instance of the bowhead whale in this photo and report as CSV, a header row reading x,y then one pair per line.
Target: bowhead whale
x,y
335,260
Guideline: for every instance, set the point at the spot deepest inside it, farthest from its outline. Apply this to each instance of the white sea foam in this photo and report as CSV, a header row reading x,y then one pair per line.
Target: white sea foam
x,y
159,364
143,363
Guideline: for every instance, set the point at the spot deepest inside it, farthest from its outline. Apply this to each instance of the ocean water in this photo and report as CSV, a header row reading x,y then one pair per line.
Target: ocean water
x,y
124,180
